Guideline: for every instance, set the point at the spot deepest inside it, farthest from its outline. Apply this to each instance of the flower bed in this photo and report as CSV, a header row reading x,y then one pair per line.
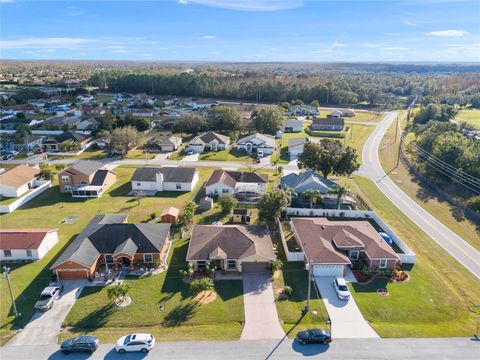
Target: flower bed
x,y
400,276
362,277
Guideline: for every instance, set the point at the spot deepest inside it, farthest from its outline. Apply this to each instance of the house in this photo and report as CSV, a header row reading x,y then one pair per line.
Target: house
x,y
61,121
85,98
143,112
348,113
86,178
26,244
244,185
30,142
208,141
295,147
330,246
164,143
88,124
149,180
328,124
257,142
17,181
240,216
170,215
56,143
335,114
28,109
302,110
292,126
109,242
87,110
237,248
308,180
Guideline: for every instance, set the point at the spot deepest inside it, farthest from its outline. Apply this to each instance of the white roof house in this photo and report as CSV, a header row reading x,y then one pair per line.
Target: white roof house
x,y
257,142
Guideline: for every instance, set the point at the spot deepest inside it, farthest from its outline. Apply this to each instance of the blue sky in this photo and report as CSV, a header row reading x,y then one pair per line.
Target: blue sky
x,y
241,30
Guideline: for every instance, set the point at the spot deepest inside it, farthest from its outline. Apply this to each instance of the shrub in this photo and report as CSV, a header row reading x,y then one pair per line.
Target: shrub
x,y
276,265
153,216
203,284
474,203
287,291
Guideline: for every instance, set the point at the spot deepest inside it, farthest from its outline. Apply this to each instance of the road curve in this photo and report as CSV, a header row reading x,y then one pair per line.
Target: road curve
x,y
371,168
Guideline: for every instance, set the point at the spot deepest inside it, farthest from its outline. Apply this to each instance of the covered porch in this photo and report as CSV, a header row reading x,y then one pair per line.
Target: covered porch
x,y
86,191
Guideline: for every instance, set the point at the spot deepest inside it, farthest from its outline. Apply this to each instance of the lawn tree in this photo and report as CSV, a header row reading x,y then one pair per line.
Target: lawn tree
x,y
224,118
315,103
21,132
311,195
124,139
267,120
118,291
340,191
108,121
272,203
186,218
190,123
46,172
203,284
327,157
227,203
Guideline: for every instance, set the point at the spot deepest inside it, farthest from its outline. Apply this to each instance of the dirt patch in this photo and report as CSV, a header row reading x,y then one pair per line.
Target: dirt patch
x,y
383,292
205,297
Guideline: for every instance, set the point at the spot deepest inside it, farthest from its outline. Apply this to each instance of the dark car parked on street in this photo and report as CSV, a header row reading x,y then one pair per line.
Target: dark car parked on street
x,y
314,336
84,343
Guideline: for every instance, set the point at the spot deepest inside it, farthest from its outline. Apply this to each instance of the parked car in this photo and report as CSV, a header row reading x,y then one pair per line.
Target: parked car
x,y
48,296
84,343
135,342
189,152
318,336
341,288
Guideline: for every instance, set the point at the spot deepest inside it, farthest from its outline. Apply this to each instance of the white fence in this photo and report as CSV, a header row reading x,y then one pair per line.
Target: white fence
x,y
291,256
42,186
408,256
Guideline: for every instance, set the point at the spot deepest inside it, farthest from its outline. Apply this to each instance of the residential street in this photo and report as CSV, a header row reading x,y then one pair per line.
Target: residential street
x,y
451,242
368,349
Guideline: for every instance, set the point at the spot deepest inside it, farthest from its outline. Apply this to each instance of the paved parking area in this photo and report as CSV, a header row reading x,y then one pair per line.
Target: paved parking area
x,y
193,157
43,328
261,318
347,320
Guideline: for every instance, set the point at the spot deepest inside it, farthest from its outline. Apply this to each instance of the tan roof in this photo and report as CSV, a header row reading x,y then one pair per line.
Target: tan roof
x,y
19,176
231,178
170,211
18,239
234,242
325,241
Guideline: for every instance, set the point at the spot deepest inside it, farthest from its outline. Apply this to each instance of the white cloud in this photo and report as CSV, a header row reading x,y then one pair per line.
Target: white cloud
x,y
209,37
119,47
409,23
6,1
247,5
120,51
370,45
145,55
52,42
393,48
213,52
447,33
339,45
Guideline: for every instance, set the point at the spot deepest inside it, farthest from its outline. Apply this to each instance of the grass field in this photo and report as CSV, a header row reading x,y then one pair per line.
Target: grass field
x,y
441,297
226,155
443,211
471,116
49,208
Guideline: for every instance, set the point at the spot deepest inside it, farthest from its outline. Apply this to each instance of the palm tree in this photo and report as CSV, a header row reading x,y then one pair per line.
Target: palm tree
x,y
339,190
118,291
312,195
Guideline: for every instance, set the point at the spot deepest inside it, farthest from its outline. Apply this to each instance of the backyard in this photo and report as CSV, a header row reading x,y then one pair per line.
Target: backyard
x,y
470,116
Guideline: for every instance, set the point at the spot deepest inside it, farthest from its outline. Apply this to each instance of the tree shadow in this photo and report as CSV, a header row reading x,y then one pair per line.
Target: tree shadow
x,y
373,286
95,319
229,289
121,191
180,314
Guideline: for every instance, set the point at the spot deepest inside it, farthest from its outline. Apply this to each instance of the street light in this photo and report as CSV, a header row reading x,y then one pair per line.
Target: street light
x,y
6,271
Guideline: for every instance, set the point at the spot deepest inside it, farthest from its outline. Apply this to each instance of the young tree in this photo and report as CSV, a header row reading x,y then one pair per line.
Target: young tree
x,y
224,118
187,215
108,121
311,195
190,123
124,139
272,203
46,172
329,157
118,291
339,190
203,284
267,120
227,203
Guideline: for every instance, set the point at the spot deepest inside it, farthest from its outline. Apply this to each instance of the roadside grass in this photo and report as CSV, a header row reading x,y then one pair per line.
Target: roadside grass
x,y
92,154
49,208
293,274
471,116
441,297
357,136
94,312
442,210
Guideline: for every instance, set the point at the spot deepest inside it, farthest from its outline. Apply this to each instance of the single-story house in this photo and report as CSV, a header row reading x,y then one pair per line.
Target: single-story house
x,y
348,113
24,109
170,215
302,110
85,98
88,124
330,246
26,244
335,114
109,242
86,178
17,181
308,180
143,112
238,248
257,142
328,124
208,141
292,126
164,143
61,121
86,110
244,185
55,143
149,180
31,142
295,147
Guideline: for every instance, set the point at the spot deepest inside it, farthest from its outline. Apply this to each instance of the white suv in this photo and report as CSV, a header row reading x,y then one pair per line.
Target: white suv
x,y
135,342
341,288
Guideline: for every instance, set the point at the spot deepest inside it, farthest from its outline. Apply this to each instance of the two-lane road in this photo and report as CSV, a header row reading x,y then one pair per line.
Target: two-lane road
x,y
371,168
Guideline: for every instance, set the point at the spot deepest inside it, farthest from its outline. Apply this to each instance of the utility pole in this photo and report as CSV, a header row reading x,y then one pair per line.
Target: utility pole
x,y
396,130
6,271
307,308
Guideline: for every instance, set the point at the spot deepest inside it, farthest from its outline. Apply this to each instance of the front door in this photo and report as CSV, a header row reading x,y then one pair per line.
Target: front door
x,y
217,264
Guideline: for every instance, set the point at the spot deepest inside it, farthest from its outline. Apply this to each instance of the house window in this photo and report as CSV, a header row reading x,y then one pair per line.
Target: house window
x,y
148,258
215,191
178,186
29,252
139,184
382,264
354,254
201,264
65,179
225,191
83,183
67,187
232,264
7,253
109,259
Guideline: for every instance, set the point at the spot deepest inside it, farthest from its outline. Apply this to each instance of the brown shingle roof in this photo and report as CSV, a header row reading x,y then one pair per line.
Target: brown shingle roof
x,y
231,178
19,176
11,239
328,121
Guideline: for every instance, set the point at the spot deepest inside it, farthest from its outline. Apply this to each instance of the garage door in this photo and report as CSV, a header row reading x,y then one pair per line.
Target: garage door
x,y
72,274
251,267
328,270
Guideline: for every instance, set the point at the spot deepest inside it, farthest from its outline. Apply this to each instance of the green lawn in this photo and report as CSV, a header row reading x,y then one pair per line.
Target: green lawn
x,y
49,208
226,155
441,297
222,319
471,116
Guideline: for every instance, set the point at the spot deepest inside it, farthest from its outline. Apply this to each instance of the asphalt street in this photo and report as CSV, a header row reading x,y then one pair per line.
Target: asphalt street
x,y
371,168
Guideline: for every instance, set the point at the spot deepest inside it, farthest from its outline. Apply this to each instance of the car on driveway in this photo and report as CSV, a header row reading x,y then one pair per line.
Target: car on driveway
x,y
135,342
317,336
341,288
48,296
87,344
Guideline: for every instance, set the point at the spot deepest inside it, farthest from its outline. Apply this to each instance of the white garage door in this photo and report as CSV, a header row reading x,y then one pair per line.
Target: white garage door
x,y
328,270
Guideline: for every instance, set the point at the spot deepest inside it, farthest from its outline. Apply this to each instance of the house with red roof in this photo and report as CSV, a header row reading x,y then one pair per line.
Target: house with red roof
x,y
26,244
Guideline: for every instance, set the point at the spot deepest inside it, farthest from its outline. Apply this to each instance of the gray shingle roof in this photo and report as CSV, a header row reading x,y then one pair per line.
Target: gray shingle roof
x,y
170,174
265,140
231,178
307,180
292,142
86,167
208,137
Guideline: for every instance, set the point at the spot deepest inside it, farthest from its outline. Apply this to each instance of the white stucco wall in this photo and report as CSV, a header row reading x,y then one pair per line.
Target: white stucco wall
x,y
144,185
210,190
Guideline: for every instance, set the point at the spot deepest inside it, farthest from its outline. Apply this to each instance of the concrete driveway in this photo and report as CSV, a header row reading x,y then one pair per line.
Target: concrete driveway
x,y
261,318
193,157
43,328
347,320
